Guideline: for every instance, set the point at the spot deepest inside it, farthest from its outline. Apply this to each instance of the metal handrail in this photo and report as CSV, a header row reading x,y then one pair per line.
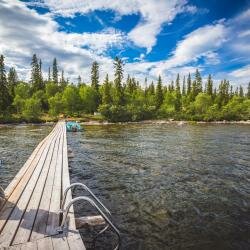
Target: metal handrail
x,y
85,188
85,198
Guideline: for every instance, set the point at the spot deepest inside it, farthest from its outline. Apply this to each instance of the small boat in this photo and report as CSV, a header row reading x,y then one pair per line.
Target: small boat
x,y
73,127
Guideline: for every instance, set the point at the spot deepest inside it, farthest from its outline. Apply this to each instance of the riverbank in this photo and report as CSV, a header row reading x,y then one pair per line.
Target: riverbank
x,y
91,123
103,123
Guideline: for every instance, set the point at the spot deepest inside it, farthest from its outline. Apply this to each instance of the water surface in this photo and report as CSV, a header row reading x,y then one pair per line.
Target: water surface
x,y
168,187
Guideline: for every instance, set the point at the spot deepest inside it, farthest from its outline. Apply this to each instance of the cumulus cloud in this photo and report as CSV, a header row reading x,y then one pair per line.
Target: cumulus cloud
x,y
29,33
154,14
243,72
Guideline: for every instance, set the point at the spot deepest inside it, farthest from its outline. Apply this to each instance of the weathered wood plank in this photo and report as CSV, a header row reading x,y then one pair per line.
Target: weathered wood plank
x,y
11,202
53,218
11,226
26,224
39,229
34,197
11,187
45,244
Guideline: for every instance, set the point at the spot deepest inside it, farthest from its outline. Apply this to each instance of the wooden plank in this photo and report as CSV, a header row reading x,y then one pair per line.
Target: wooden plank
x,y
53,218
75,241
66,183
45,244
13,199
26,224
39,229
11,226
11,187
60,242
73,236
29,246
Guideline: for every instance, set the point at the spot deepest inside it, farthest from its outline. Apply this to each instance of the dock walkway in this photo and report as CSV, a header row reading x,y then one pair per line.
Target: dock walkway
x,y
29,217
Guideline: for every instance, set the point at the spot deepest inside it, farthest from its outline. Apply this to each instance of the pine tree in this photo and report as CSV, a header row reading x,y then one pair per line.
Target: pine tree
x,y
106,97
12,81
209,87
231,92
49,75
189,83
5,100
184,86
95,76
55,71
159,93
241,92
35,74
177,84
198,81
178,93
119,94
79,80
248,91
151,89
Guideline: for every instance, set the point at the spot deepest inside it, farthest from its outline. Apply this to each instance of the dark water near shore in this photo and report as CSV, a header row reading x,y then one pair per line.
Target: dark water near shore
x,y
168,187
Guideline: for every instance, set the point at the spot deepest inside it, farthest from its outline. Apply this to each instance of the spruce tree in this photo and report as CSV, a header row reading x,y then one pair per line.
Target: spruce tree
x,y
119,93
12,81
62,80
178,93
198,81
55,71
5,100
49,75
95,76
189,83
159,93
209,89
35,74
248,91
177,84
106,96
79,80
151,89
184,86
241,94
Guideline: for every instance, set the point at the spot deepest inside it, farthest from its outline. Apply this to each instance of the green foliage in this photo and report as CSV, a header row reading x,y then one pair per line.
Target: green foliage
x,y
56,105
71,100
32,109
88,97
55,71
5,98
118,97
36,74
118,101
159,94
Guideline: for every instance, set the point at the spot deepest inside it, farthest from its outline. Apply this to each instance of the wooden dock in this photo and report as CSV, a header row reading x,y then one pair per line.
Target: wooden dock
x,y
29,217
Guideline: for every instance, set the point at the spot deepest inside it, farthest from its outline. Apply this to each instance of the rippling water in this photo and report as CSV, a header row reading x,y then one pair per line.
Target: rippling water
x,y
168,187
16,145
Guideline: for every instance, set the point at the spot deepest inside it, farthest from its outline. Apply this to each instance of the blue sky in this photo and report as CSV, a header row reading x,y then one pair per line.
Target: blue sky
x,y
153,37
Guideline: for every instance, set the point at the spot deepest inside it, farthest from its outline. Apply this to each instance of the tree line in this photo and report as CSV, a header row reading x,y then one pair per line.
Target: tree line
x,y
123,99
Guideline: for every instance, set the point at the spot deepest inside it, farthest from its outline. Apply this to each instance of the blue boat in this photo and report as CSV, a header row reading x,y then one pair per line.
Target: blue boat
x,y
73,127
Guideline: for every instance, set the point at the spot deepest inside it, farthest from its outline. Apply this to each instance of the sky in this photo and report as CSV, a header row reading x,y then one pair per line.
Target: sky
x,y
153,37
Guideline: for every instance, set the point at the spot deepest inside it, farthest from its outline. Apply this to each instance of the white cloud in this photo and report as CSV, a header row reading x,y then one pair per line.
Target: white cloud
x,y
154,14
199,43
29,33
243,72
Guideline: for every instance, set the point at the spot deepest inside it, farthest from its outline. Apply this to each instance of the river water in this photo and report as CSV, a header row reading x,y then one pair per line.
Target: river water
x,y
167,186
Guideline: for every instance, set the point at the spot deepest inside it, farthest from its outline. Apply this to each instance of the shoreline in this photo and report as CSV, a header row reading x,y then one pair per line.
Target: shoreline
x,y
159,122
148,122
